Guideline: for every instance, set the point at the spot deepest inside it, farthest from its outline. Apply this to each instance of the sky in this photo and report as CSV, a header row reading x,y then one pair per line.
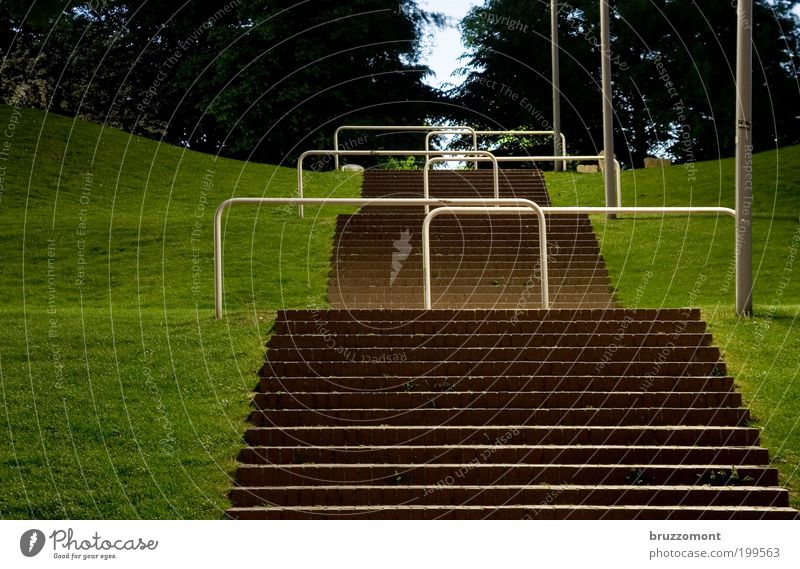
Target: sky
x,y
444,45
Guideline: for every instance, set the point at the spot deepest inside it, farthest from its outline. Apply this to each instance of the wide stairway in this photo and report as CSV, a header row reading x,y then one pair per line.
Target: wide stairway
x,y
476,261
489,406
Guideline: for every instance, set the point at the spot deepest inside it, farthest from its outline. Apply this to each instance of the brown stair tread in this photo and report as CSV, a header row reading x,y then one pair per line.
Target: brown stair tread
x,y
510,512
487,406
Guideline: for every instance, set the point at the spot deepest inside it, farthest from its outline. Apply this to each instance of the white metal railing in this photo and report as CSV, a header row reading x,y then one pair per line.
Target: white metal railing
x,y
412,202
588,210
426,183
428,153
599,159
403,202
404,128
443,132
515,133
436,130
529,208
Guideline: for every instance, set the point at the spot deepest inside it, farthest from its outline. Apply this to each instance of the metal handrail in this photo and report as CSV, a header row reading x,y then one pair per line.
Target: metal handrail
x,y
403,202
403,128
338,153
411,202
502,133
516,133
599,158
433,133
487,156
590,210
529,207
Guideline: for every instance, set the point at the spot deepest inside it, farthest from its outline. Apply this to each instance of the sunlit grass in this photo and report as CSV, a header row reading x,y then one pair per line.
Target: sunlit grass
x,y
121,396
668,261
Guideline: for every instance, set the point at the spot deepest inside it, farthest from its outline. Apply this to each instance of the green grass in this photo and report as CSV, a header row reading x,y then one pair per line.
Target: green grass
x,y
121,397
671,262
145,418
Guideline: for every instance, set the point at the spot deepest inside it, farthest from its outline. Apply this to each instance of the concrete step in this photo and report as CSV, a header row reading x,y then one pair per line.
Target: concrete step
x,y
319,401
511,512
577,417
362,323
495,294
482,474
488,407
520,272
458,304
455,496
507,454
524,281
492,341
559,384
416,369
495,434
402,316
453,298
532,354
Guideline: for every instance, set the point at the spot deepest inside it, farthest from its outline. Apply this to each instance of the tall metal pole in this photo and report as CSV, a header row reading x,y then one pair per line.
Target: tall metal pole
x,y
608,107
744,160
559,166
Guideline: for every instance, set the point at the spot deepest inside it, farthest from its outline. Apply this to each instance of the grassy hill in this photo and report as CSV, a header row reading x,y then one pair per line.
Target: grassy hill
x,y
121,397
668,261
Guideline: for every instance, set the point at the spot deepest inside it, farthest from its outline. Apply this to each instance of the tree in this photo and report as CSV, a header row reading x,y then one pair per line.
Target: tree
x,y
252,78
673,63
106,61
291,72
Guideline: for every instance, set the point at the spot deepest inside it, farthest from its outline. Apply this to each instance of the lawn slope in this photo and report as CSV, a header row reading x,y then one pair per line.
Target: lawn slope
x,y
120,396
667,261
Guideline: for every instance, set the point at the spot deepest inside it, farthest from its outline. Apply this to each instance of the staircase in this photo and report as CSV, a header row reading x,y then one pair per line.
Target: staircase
x,y
476,261
489,406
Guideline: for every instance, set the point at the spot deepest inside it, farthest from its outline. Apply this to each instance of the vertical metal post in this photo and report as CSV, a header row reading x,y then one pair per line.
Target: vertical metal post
x,y
557,142
300,184
608,107
474,144
744,160
335,147
218,259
